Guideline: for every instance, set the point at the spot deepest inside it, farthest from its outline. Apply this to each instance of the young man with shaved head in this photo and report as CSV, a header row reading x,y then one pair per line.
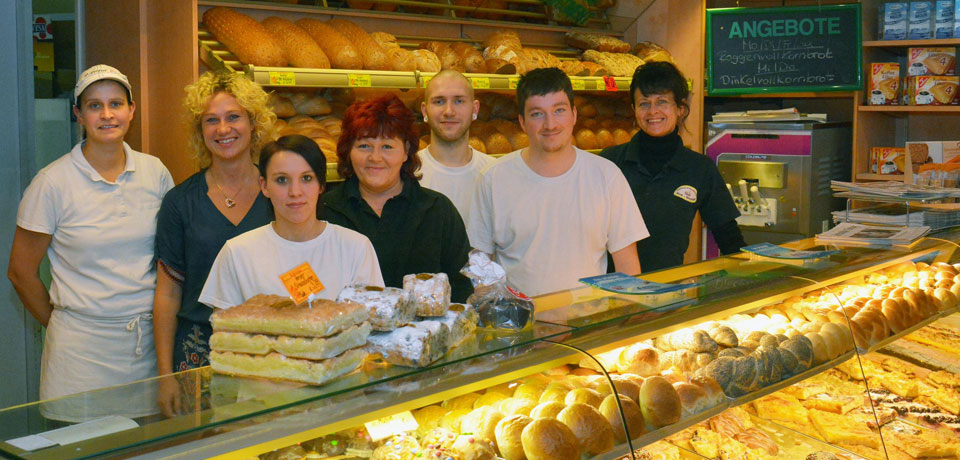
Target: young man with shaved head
x,y
449,165
549,213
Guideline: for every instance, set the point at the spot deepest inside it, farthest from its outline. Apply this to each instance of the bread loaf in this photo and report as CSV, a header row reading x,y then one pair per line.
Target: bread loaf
x,y
471,58
631,412
374,58
298,46
595,69
659,402
508,435
338,48
721,371
589,41
586,139
583,396
693,399
500,66
477,144
549,439
246,38
427,61
594,434
574,68
449,59
696,341
639,359
711,389
282,107
310,104
548,409
651,52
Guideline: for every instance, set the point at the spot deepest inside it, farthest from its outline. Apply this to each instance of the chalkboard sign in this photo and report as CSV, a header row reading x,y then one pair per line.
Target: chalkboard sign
x,y
783,50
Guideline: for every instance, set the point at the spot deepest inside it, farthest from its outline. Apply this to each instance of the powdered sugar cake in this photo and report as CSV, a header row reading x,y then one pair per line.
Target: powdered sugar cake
x,y
430,292
416,345
267,314
389,308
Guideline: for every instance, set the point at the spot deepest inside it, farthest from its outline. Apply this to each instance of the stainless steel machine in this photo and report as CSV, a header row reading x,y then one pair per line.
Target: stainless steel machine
x,y
779,175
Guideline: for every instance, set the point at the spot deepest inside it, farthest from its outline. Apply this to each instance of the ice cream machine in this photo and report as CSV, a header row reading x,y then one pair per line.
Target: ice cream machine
x,y
779,174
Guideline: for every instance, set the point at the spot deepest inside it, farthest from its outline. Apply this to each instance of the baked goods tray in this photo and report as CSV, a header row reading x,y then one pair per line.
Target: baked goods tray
x,y
653,436
734,402
216,57
793,444
893,338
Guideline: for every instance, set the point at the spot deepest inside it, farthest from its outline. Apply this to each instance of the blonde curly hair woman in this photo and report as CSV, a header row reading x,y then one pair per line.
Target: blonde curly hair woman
x,y
229,122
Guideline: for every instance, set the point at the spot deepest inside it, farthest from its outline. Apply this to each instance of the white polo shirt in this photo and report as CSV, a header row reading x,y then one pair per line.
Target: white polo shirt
x,y
548,232
457,183
102,247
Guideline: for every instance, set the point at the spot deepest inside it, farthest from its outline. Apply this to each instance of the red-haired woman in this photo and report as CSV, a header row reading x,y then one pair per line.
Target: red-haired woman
x,y
413,229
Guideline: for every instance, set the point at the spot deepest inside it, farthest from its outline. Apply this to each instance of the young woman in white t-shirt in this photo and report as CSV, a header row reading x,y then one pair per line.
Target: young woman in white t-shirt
x,y
292,176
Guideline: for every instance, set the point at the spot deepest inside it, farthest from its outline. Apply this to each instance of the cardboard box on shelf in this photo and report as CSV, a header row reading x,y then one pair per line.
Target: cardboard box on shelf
x,y
921,153
943,19
921,20
932,90
884,83
888,160
894,20
931,61
951,150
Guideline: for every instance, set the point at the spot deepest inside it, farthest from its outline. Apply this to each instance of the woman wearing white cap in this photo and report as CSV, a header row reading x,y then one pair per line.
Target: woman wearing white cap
x,y
93,213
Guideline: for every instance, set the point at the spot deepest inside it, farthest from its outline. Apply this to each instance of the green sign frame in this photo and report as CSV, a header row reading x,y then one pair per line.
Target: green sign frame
x,y
852,69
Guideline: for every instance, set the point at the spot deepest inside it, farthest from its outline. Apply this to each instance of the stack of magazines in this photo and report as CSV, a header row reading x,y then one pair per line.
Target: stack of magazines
x,y
935,216
892,189
872,235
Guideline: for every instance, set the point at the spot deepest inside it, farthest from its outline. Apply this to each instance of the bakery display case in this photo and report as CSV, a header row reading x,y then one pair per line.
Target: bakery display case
x,y
752,357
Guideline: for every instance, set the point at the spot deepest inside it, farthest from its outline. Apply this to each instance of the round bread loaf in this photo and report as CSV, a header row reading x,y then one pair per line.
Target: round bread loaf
x,y
714,394
427,61
556,391
246,38
512,406
839,333
944,299
508,436
471,57
489,398
636,379
528,391
469,447
464,401
339,49
639,359
631,412
586,139
594,434
583,396
624,386
693,399
401,60
896,312
451,420
548,409
549,439
660,402
300,49
930,302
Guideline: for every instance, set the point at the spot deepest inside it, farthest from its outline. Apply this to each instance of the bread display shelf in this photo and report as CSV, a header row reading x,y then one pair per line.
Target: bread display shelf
x,y
656,435
792,380
216,57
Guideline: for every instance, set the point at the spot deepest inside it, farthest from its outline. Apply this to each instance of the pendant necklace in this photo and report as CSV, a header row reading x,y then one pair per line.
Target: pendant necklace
x,y
228,201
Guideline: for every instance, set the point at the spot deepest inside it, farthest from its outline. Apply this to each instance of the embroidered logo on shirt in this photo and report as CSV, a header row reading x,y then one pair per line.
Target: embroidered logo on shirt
x,y
686,193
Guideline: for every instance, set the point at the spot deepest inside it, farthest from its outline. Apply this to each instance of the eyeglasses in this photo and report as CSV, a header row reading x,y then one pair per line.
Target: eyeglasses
x,y
645,106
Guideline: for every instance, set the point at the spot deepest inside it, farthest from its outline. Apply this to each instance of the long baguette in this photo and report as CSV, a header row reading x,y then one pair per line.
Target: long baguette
x,y
300,49
339,49
250,41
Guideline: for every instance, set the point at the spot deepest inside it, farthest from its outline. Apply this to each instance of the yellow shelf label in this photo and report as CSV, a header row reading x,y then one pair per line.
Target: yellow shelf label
x,y
389,426
480,82
425,80
513,82
283,79
358,80
578,85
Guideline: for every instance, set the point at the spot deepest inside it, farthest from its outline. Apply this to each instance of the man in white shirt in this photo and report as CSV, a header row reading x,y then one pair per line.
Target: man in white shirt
x,y
549,213
449,165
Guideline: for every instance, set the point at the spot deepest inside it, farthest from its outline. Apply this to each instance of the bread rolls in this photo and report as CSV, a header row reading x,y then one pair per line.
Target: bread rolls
x,y
631,412
449,59
548,409
427,61
594,434
659,402
639,359
693,399
338,48
549,439
473,61
246,38
583,396
508,436
299,48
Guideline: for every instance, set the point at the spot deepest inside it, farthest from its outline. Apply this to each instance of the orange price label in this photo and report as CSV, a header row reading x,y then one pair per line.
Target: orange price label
x,y
301,282
282,78
610,83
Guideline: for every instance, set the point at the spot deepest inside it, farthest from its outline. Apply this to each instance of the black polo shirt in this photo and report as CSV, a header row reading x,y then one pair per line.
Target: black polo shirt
x,y
419,231
669,200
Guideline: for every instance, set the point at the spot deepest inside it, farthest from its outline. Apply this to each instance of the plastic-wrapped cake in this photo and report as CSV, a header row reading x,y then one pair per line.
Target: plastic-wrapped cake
x,y
429,291
415,345
461,320
389,308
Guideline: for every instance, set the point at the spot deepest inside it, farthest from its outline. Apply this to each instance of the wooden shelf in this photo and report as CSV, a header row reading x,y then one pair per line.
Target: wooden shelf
x,y
909,43
909,108
888,177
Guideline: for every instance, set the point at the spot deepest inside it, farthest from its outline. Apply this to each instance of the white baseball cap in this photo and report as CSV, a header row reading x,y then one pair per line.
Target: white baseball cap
x,y
97,73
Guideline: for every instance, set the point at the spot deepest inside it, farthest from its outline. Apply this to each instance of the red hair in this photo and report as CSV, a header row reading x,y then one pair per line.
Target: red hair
x,y
383,117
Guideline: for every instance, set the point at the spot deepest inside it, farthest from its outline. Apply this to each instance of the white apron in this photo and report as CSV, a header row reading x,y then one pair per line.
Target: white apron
x,y
83,353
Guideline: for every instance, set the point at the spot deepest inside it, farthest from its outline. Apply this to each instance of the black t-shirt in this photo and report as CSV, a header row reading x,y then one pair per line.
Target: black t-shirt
x,y
669,200
418,231
190,233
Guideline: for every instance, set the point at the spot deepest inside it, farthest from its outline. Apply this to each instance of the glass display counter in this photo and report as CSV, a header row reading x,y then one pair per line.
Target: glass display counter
x,y
830,402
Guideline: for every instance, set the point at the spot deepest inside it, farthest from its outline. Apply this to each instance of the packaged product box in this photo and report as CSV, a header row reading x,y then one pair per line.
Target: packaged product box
x,y
884,83
932,90
921,153
931,61
943,19
894,16
920,22
951,150
956,19
888,160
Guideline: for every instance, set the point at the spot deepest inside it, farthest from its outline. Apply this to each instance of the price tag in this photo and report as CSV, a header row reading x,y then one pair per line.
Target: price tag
x,y
610,84
578,85
480,82
301,282
389,426
513,82
358,80
425,81
282,78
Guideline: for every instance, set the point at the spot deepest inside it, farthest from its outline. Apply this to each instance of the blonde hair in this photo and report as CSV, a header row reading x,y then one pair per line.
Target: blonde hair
x,y
249,95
